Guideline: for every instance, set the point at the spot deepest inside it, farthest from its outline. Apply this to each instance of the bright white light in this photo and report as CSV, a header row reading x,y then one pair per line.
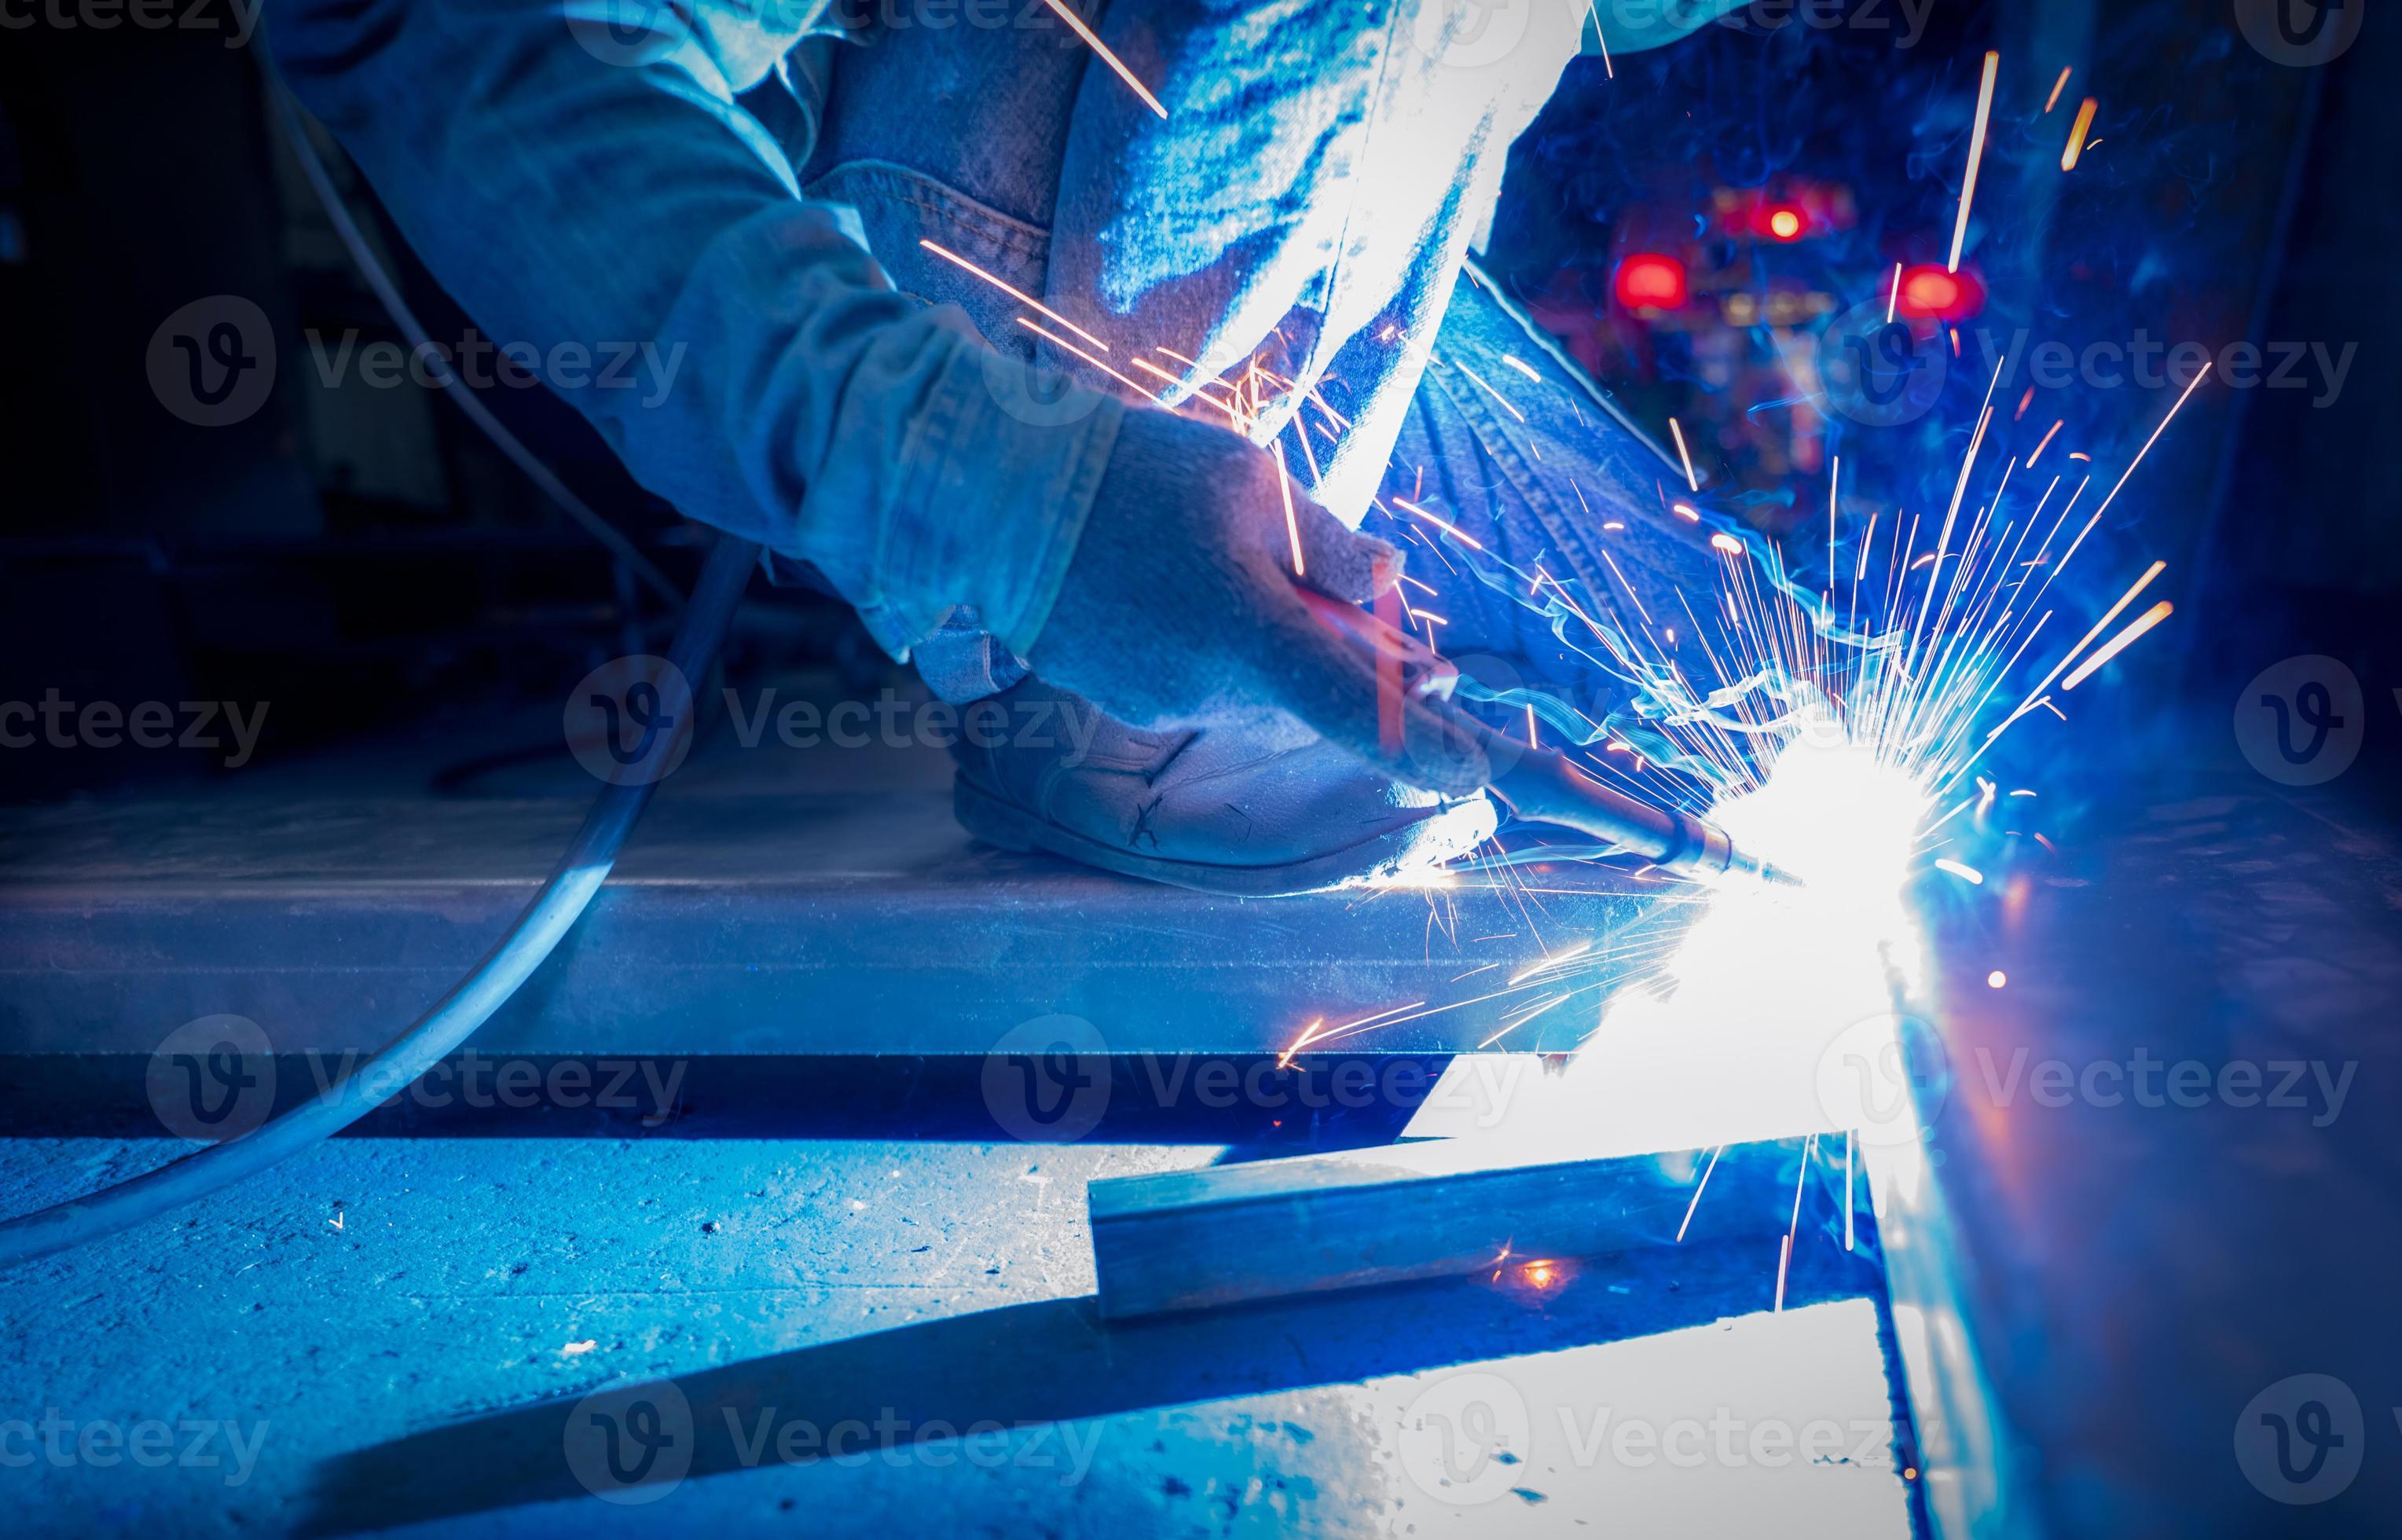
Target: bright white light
x,y
1764,981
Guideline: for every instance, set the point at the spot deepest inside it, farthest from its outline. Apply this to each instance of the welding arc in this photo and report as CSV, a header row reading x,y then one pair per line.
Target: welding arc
x,y
536,934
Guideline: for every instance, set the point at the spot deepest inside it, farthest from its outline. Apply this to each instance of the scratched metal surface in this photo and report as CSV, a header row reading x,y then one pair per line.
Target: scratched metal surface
x,y
2141,1263
759,910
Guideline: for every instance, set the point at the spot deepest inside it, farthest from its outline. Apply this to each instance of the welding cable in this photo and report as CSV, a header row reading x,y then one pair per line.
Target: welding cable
x,y
421,346
536,933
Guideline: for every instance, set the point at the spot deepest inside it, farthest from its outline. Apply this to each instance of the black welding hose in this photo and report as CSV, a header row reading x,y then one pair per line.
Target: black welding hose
x,y
537,931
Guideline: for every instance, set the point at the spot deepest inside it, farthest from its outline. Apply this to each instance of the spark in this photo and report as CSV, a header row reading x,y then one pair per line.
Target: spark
x,y
1691,483
1698,1189
1284,1060
1491,391
1076,24
1020,295
1454,530
1976,156
2045,444
1149,398
2076,146
2058,86
2119,643
1291,521
1894,298
1998,979
1599,37
1965,873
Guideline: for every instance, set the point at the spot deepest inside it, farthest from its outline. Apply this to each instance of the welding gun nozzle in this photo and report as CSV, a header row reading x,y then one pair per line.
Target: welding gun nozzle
x,y
1545,788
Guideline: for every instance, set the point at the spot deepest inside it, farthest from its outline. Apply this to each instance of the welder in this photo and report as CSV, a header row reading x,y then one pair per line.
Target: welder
x,y
824,200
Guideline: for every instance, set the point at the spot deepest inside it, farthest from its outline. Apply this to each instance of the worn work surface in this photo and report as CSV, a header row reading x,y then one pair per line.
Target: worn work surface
x,y
400,1334
772,902
2167,1169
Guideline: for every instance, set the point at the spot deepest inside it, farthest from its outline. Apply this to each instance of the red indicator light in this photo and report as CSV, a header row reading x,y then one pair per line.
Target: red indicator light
x,y
1931,292
1648,281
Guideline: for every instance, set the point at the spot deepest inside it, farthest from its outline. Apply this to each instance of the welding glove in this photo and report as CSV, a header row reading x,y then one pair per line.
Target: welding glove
x,y
1179,603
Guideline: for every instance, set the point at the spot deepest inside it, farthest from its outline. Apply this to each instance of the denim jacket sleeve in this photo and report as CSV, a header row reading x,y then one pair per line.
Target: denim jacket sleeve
x,y
571,181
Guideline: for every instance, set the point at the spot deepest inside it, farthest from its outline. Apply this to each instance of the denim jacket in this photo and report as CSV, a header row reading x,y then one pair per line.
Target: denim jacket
x,y
604,171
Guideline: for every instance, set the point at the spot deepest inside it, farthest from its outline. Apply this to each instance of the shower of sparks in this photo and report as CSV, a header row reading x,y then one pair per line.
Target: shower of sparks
x,y
1092,40
2077,146
1976,156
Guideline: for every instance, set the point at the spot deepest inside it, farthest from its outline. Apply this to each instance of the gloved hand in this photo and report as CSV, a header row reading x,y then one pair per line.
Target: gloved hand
x,y
1179,603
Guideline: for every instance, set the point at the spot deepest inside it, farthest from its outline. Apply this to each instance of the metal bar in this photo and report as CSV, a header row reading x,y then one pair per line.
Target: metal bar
x,y
1312,1224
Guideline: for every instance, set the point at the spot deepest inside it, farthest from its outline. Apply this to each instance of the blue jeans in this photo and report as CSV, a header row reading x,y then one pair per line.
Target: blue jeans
x,y
752,180
1535,493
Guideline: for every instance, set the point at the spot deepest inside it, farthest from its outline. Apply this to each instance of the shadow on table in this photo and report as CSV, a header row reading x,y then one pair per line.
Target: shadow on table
x,y
1041,1362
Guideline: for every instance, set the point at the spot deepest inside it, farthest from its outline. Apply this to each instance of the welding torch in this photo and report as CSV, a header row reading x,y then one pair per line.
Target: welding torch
x,y
1543,787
